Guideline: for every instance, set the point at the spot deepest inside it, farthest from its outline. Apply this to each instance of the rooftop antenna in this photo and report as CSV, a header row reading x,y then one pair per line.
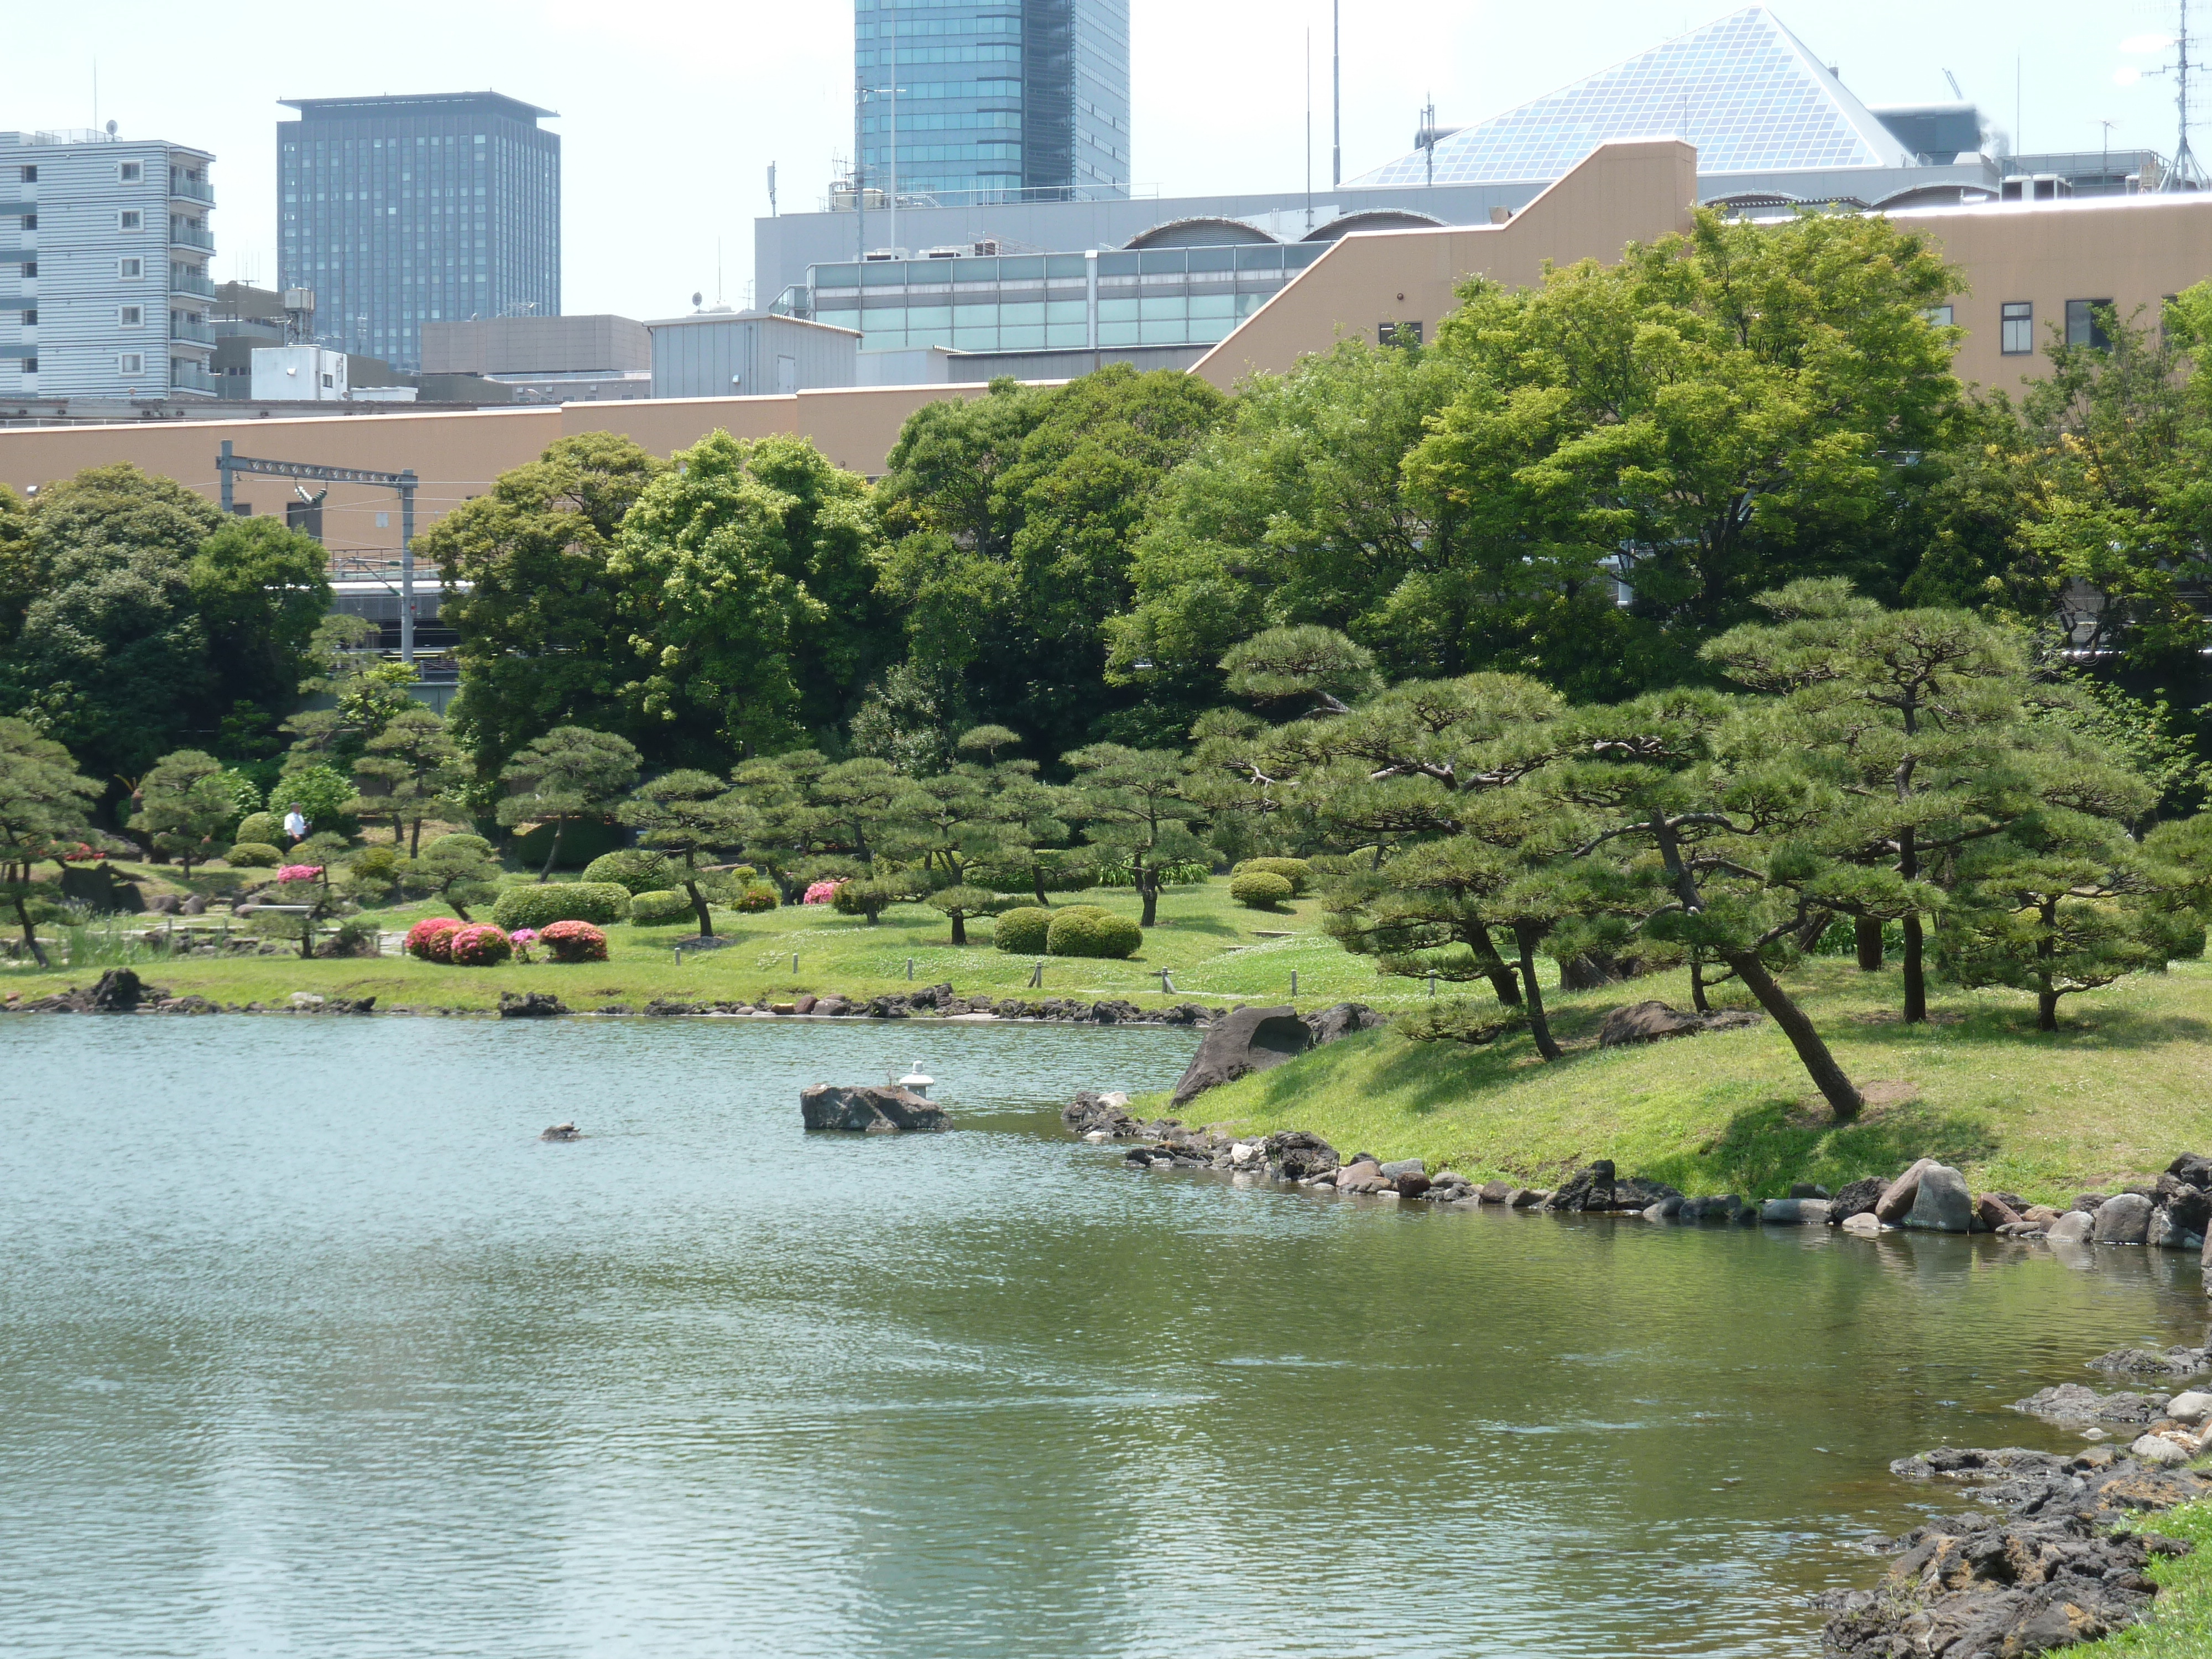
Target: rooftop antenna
x,y
1309,129
771,189
1336,93
2105,169
1427,138
2186,174
1953,80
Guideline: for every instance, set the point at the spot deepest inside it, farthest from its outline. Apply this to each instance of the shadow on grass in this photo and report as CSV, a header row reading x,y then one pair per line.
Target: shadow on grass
x,y
1763,1150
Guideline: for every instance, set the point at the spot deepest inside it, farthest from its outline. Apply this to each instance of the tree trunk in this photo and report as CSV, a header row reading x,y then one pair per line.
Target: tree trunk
x,y
1037,875
552,852
1539,1027
1503,979
1915,974
699,908
414,840
959,926
1698,985
1866,932
2046,1011
2046,999
459,910
1841,1094
30,927
1148,884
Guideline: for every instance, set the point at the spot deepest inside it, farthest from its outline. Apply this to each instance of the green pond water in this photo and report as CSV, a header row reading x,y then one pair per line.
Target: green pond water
x,y
308,1345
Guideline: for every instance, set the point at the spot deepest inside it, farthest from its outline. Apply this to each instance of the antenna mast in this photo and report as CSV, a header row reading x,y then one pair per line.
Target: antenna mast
x,y
2186,174
1336,93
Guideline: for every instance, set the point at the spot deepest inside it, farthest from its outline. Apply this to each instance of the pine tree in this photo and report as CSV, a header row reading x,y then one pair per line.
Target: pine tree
x,y
1139,802
684,814
185,805
44,803
569,774
410,771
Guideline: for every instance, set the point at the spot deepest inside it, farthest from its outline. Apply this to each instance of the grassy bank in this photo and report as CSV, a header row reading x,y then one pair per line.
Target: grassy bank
x,y
2181,1624
2112,1097
1217,953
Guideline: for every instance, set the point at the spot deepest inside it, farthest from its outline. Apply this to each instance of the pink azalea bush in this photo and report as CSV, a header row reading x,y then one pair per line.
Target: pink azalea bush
x,y
300,873
822,892
482,945
522,939
574,941
431,939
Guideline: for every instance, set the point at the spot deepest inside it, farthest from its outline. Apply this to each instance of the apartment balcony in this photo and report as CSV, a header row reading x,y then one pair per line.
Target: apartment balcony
x,y
182,235
184,329
188,377
182,189
193,282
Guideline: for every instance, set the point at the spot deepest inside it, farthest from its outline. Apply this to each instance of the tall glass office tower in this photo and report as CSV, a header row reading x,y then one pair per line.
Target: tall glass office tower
x,y
399,211
1017,101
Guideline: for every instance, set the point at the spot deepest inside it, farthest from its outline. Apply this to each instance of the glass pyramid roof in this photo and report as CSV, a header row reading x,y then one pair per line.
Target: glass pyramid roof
x,y
1743,89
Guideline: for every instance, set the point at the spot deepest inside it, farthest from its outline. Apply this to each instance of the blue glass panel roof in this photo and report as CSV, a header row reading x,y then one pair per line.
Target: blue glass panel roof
x,y
1743,89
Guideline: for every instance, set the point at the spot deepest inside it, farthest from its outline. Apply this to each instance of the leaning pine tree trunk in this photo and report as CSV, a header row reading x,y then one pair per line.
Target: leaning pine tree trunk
x,y
1842,1095
30,930
1501,977
552,852
1539,1026
699,908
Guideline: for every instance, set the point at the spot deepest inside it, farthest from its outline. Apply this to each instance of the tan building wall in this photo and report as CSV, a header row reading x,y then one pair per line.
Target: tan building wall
x,y
2132,251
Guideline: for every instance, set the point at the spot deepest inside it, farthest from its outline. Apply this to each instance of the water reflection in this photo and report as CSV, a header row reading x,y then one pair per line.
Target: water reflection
x,y
313,1346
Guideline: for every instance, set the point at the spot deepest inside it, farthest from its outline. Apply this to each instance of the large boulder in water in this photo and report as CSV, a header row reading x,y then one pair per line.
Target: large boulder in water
x,y
2123,1218
1941,1203
120,992
1302,1154
1249,1040
875,1108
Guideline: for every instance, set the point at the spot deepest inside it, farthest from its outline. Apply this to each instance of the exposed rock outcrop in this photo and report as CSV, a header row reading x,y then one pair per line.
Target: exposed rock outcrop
x,y
870,1108
1249,1040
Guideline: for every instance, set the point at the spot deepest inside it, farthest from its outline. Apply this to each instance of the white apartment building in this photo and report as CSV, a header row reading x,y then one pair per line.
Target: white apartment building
x,y
104,252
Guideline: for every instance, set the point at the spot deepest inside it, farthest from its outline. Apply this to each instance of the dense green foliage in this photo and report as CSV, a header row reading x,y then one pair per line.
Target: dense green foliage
x,y
635,869
1022,929
659,909
1087,930
1260,890
539,906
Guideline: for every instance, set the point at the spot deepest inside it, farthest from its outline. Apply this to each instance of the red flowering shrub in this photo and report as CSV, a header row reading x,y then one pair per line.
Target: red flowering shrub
x,y
573,941
431,939
481,946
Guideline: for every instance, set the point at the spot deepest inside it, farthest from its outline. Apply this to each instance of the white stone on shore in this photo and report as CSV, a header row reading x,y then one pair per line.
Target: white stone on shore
x,y
2157,1451
2193,1406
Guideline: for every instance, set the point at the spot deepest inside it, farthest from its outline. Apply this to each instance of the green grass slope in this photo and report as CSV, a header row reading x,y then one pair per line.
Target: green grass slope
x,y
2114,1096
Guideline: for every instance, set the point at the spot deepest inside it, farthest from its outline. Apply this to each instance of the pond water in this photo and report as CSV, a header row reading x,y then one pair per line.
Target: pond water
x,y
311,1346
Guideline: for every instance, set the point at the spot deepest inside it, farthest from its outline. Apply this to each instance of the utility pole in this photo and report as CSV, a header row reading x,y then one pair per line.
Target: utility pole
x,y
1336,93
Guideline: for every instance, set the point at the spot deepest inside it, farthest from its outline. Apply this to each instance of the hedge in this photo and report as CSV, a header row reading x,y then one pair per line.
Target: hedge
x,y
535,906
1022,931
1260,890
633,869
1297,872
253,855
660,909
261,829
1091,930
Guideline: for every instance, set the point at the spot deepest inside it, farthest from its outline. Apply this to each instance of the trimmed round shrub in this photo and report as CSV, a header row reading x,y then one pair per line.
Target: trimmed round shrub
x,y
1260,890
1091,930
533,906
481,946
1297,872
633,869
431,939
1022,931
261,829
574,941
661,909
758,896
254,855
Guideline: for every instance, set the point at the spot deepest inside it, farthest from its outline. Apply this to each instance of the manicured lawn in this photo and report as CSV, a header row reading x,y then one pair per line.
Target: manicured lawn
x,y
2112,1097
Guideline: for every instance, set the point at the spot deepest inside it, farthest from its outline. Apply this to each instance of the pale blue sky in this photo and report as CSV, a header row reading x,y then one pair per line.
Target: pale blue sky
x,y
672,109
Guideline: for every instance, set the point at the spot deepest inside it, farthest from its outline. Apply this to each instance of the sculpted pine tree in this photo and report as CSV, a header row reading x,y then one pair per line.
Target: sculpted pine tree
x,y
1685,819
457,870
569,774
1140,803
966,819
409,773
185,805
685,814
44,804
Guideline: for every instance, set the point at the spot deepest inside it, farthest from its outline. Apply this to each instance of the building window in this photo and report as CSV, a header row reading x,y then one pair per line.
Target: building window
x,y
30,269
2016,323
1398,334
131,363
131,219
329,382
30,175
130,173
30,222
131,316
130,270
2085,323
30,365
1939,315
30,319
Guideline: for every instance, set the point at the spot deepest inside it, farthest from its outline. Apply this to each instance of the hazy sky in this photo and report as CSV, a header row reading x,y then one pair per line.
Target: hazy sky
x,y
672,110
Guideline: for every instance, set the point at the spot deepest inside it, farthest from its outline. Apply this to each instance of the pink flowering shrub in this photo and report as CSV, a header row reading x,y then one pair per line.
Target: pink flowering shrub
x,y
77,852
431,939
822,892
522,939
574,941
480,946
300,873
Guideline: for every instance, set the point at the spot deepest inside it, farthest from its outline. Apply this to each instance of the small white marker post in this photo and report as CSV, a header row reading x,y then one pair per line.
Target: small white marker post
x,y
795,961
680,955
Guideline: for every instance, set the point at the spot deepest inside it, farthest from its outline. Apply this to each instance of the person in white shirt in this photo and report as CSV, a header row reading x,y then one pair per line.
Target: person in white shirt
x,y
296,824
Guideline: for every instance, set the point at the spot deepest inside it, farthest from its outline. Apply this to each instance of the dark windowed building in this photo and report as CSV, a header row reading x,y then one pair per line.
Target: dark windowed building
x,y
402,211
1019,100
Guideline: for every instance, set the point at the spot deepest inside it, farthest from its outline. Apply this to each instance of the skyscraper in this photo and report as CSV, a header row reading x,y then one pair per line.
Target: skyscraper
x,y
399,211
1020,99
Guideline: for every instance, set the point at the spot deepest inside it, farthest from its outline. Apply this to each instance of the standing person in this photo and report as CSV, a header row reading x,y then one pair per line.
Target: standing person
x,y
295,826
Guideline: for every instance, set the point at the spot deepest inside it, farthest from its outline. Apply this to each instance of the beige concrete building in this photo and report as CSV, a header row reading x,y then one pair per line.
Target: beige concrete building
x,y
2026,266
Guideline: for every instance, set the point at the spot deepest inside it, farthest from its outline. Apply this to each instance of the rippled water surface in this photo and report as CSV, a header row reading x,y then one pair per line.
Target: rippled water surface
x,y
308,1345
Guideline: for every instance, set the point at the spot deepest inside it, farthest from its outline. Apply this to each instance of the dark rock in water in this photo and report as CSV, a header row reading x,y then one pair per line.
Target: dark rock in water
x,y
2071,1403
1588,1188
668,1008
1725,1207
534,1004
1088,1111
2054,1573
563,1132
1646,1022
120,992
1808,1189
1249,1040
1342,1021
1496,1192
2193,1168
2143,1362
2188,1206
1857,1198
2123,1218
1993,1213
1302,1154
1941,1203
193,1004
870,1108
1896,1200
